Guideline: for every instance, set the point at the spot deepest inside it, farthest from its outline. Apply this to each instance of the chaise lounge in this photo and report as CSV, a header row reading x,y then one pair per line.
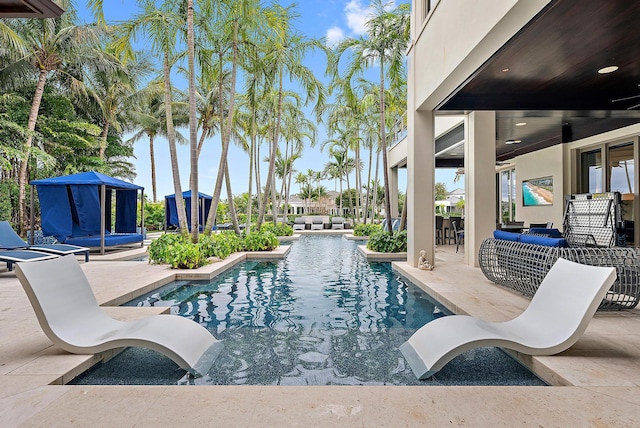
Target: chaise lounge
x,y
10,240
555,319
69,315
337,223
14,256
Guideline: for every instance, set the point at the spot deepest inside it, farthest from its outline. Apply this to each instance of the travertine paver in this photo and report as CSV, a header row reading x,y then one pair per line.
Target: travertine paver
x,y
604,365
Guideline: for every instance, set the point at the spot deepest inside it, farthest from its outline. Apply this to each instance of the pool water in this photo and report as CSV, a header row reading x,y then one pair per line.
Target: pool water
x,y
322,316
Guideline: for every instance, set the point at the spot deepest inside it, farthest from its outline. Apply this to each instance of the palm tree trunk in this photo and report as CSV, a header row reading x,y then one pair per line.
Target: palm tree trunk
x,y
358,176
272,159
251,154
171,136
193,126
226,131
403,218
375,185
366,202
203,136
383,142
103,141
256,162
152,156
286,195
232,208
24,163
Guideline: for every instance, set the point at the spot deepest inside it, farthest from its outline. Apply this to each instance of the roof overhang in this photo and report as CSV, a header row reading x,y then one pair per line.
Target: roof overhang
x,y
29,9
544,83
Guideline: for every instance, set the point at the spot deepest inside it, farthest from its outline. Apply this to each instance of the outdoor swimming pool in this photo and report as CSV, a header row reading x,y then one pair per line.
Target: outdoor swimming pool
x,y
322,316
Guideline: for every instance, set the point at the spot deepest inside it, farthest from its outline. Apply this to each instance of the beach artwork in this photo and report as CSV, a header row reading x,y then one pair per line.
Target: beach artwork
x,y
537,191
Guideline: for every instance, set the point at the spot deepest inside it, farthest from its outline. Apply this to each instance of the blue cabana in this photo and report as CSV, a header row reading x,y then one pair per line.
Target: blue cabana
x,y
171,212
76,209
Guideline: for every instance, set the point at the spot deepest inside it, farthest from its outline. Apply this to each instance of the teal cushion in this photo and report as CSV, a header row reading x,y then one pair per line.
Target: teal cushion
x,y
506,236
543,240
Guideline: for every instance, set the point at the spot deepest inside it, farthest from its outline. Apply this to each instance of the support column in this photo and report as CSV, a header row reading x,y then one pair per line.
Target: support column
x,y
393,191
480,181
420,185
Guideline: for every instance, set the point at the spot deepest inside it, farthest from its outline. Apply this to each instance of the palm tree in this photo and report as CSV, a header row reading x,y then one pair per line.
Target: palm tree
x,y
162,26
285,58
114,93
47,47
385,45
148,119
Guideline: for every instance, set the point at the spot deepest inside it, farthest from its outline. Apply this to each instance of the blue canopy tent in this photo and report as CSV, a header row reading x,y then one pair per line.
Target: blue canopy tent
x,y
171,212
76,209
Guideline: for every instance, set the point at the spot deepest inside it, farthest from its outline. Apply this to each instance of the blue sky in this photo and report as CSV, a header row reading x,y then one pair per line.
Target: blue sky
x,y
333,19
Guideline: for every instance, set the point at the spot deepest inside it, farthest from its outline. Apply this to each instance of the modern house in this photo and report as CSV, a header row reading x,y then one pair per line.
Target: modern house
x,y
549,91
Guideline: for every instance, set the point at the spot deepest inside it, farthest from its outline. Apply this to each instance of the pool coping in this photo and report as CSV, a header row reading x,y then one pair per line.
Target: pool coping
x,y
381,257
29,396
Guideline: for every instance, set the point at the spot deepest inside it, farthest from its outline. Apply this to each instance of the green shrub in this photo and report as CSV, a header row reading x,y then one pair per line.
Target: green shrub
x,y
153,215
186,255
161,248
260,241
278,229
385,242
366,229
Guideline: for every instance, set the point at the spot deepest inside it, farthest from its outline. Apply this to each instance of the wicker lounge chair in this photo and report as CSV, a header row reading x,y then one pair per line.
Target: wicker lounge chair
x,y
71,318
10,240
555,319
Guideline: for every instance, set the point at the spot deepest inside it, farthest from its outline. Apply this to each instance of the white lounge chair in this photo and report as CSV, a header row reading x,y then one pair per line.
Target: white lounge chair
x,y
299,223
337,223
555,319
316,223
70,316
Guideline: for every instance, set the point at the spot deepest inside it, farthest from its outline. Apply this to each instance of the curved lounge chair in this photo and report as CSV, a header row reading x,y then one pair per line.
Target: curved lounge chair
x,y
557,316
70,316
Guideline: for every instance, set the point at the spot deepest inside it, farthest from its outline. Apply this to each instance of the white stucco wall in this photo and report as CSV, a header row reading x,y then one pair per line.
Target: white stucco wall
x,y
542,163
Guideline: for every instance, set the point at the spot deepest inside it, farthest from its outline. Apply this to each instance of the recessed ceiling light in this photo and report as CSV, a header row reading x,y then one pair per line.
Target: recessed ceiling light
x,y
504,70
521,123
609,69
513,141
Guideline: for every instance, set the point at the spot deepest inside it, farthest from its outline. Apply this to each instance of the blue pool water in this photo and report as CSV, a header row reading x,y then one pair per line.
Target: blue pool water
x,y
322,316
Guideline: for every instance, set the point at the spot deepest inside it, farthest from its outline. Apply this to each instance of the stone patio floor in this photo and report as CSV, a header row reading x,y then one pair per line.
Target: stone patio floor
x,y
598,379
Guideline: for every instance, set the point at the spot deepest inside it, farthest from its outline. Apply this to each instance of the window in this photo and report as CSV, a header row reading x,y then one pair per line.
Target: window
x,y
621,169
507,195
618,176
591,171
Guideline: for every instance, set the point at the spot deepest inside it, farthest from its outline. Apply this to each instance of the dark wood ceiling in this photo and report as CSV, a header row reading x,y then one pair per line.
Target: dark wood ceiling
x,y
29,9
547,76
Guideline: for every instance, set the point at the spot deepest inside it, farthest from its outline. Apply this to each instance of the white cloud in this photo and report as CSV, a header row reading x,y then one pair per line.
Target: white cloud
x,y
334,36
356,15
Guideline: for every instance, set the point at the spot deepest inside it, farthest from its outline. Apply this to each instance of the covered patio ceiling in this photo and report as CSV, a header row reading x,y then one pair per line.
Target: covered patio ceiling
x,y
544,83
29,9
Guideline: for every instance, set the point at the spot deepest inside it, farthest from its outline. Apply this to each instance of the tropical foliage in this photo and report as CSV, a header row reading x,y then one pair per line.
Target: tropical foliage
x,y
180,253
71,91
385,242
